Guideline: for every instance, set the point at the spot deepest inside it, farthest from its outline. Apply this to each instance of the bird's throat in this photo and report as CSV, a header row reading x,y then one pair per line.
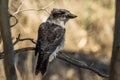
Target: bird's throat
x,y
58,22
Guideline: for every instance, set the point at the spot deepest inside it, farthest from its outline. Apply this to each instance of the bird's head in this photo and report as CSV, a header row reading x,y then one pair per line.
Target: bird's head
x,y
61,15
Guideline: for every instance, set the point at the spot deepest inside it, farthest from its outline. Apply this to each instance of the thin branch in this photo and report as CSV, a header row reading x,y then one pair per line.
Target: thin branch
x,y
24,49
80,64
49,4
19,8
28,39
16,20
18,51
33,9
46,11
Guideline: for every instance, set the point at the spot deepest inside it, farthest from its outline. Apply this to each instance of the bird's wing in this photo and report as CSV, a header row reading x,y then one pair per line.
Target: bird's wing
x,y
49,37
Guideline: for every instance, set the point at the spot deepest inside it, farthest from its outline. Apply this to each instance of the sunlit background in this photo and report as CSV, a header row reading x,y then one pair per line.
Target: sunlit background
x,y
88,36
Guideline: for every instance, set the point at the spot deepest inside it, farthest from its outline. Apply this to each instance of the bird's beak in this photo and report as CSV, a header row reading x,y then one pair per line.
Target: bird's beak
x,y
70,16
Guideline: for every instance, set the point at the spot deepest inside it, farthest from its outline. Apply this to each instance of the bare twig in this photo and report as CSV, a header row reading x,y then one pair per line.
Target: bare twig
x,y
33,9
18,51
19,8
24,49
16,20
18,40
49,4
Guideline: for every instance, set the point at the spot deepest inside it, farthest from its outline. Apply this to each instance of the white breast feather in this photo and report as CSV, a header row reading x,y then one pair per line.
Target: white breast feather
x,y
54,54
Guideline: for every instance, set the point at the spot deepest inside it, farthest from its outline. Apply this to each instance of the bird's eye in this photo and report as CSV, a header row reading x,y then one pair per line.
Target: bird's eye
x,y
58,14
55,14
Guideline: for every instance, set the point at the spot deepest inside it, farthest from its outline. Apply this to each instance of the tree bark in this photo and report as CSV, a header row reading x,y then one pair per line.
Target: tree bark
x,y
115,60
7,41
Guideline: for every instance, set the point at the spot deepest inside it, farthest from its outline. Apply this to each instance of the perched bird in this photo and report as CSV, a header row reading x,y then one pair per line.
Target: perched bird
x,y
51,36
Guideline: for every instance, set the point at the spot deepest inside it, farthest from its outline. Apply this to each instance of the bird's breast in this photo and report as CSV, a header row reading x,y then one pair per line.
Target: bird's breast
x,y
58,48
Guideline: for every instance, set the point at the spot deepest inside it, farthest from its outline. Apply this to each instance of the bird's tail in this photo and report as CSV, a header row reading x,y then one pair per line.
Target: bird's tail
x,y
41,65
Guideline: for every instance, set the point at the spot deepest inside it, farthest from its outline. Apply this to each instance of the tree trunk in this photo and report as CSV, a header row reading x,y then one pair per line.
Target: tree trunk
x,y
115,60
7,41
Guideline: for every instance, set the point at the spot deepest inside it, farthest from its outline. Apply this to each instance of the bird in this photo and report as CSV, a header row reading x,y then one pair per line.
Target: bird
x,y
51,37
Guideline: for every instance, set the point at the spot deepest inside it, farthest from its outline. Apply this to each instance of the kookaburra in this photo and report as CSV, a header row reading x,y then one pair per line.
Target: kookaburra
x,y
51,36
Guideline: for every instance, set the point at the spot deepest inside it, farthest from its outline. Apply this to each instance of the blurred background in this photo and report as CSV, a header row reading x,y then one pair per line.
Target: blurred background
x,y
88,37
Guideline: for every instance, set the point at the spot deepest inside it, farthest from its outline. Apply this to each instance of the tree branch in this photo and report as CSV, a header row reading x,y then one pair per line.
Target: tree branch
x,y
7,41
18,40
64,57
19,8
80,64
32,9
16,20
